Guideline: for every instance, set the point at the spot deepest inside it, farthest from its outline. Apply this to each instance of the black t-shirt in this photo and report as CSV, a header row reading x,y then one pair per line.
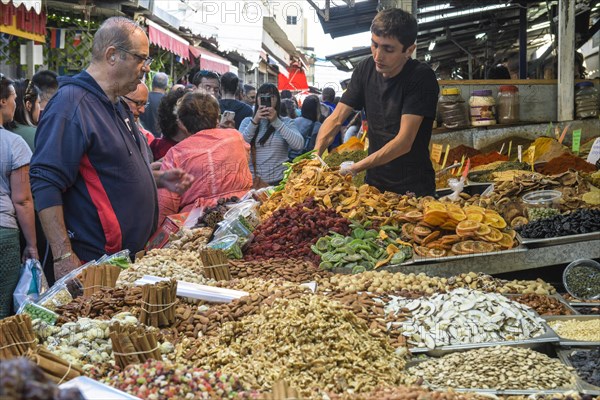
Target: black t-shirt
x,y
413,91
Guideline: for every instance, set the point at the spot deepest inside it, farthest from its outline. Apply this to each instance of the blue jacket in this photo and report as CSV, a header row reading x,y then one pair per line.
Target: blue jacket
x,y
91,159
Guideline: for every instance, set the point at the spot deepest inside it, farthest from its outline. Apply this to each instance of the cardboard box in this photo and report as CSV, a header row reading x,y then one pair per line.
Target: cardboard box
x,y
171,225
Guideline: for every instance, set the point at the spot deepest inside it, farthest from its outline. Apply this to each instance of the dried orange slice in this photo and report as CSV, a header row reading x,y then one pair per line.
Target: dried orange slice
x,y
494,219
506,242
435,205
483,230
468,226
518,221
512,233
435,217
449,225
450,239
421,250
475,216
413,216
407,229
457,215
436,253
466,247
431,237
482,247
422,231
473,208
494,236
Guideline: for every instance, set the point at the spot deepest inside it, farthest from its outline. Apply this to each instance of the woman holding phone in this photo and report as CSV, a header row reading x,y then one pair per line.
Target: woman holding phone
x,y
270,136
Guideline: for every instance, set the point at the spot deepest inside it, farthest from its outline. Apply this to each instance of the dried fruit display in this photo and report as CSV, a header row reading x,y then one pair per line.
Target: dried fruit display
x,y
576,222
290,232
189,239
407,393
314,342
587,364
496,367
574,329
292,270
102,305
543,305
464,316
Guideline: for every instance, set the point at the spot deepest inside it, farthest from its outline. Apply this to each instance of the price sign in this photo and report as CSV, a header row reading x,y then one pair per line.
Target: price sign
x,y
509,149
576,141
520,153
467,167
564,133
462,163
436,152
446,156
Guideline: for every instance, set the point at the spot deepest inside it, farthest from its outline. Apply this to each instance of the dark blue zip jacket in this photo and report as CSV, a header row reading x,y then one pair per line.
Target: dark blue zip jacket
x,y
91,159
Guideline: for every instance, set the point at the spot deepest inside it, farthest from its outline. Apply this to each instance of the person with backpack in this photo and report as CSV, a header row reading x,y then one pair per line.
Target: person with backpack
x,y
308,124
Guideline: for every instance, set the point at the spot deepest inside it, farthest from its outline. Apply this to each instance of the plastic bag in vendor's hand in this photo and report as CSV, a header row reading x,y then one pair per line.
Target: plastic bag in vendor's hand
x,y
32,283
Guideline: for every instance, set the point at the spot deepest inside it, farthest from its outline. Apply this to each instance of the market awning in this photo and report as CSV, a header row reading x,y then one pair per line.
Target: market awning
x,y
211,61
22,22
34,5
167,40
295,81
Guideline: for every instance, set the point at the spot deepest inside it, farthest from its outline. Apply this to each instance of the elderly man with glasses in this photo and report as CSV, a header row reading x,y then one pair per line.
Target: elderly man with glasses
x,y
137,101
90,174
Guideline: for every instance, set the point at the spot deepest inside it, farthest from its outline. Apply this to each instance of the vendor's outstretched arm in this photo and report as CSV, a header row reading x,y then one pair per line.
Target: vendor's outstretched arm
x,y
331,126
398,146
53,223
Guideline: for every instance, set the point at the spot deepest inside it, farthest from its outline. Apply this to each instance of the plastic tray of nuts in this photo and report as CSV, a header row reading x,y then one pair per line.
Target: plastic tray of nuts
x,y
549,336
504,392
556,296
571,342
584,387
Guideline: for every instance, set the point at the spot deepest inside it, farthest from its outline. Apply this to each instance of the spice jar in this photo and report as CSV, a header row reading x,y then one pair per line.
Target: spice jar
x,y
452,110
508,104
587,100
483,108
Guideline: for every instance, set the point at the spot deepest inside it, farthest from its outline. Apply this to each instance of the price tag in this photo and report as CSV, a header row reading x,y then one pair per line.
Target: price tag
x,y
454,170
564,133
549,129
520,153
467,167
594,152
446,156
576,141
462,163
502,148
436,152
532,157
509,149
556,132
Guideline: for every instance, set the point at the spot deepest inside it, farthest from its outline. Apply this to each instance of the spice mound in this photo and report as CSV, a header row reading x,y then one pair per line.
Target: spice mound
x,y
585,330
312,342
500,367
162,380
565,162
464,316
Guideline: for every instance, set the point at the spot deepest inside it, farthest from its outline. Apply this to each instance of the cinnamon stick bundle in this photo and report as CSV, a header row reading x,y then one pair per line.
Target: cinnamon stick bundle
x,y
133,344
215,264
158,304
53,366
96,277
16,336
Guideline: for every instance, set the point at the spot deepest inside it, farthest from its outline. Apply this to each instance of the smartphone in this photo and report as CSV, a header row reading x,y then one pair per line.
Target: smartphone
x,y
265,100
227,116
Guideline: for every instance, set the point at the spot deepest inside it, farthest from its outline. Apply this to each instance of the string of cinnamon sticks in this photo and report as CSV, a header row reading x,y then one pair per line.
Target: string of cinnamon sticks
x,y
96,277
216,264
16,336
57,369
158,304
133,344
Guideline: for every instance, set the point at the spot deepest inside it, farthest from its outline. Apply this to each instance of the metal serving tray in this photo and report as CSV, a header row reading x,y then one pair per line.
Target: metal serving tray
x,y
549,336
571,342
582,237
505,392
556,296
421,259
584,387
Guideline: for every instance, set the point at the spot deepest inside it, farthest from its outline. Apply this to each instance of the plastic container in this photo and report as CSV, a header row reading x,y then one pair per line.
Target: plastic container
x,y
229,244
57,296
587,100
452,110
542,203
246,212
36,311
482,107
508,104
581,278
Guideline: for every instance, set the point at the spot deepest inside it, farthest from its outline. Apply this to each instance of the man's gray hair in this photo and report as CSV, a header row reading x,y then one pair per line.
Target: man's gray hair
x,y
115,31
160,81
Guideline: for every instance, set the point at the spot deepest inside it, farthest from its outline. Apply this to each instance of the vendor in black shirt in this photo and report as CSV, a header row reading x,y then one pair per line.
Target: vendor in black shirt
x,y
399,95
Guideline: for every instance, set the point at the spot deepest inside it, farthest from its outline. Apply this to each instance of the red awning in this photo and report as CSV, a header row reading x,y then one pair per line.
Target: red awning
x,y
167,40
295,81
29,5
211,61
22,22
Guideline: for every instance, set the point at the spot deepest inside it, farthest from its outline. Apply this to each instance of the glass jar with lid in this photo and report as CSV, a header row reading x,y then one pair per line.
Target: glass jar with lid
x,y
508,104
452,109
587,100
483,108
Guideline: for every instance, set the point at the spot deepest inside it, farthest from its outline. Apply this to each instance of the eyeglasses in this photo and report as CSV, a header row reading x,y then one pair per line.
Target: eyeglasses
x,y
139,104
146,60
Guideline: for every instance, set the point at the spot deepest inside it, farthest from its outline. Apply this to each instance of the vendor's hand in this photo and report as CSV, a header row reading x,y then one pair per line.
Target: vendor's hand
x,y
175,180
63,267
30,252
348,170
155,166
